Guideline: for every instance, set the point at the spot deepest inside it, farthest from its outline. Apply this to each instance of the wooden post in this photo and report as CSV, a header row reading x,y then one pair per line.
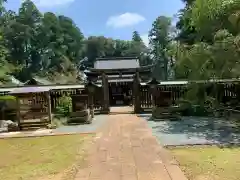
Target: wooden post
x,y
91,105
105,93
137,101
3,114
18,112
153,102
49,106
91,99
153,93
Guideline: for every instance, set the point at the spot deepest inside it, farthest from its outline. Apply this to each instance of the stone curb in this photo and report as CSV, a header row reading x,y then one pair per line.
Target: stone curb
x,y
202,145
43,135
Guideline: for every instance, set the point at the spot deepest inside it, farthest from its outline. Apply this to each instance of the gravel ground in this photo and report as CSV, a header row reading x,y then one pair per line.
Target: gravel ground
x,y
98,121
194,130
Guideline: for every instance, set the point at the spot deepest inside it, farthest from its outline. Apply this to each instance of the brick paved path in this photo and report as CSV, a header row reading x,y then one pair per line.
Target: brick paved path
x,y
126,150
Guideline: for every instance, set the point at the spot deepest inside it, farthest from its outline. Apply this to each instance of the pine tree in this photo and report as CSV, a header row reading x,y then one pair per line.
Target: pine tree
x,y
136,37
159,37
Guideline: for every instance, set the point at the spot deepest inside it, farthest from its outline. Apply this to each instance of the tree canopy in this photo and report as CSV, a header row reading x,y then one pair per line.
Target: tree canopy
x,y
209,40
204,44
49,45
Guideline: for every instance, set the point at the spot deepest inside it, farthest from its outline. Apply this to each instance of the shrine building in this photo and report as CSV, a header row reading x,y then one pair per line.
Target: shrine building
x,y
117,77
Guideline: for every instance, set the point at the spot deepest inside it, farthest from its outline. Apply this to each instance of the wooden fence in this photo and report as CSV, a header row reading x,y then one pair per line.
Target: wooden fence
x,y
226,92
146,96
57,94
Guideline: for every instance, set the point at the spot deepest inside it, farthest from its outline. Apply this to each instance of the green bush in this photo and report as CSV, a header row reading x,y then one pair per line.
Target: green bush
x,y
8,104
64,107
186,108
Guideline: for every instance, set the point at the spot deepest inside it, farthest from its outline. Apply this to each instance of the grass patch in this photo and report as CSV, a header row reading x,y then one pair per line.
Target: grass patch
x,y
40,157
209,163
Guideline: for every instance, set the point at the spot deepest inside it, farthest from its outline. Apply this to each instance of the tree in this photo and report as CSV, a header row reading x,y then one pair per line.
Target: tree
x,y
187,32
53,46
159,37
219,60
2,9
139,49
136,37
40,44
72,38
200,20
94,48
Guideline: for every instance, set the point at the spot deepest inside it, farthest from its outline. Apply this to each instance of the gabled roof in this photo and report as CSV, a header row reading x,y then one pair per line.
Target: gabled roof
x,y
117,63
38,81
10,81
15,81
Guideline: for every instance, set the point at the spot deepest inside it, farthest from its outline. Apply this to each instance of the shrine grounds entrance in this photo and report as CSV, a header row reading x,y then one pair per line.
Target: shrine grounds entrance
x,y
117,82
120,94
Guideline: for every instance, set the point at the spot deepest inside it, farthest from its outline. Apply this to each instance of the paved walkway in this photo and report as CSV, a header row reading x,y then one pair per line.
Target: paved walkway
x,y
121,110
125,149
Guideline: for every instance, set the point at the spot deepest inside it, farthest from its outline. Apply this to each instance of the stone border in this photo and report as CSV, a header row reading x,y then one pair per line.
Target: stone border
x,y
43,135
203,145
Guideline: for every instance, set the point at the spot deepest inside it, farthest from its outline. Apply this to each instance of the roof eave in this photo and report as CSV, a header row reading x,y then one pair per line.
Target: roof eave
x,y
116,58
139,69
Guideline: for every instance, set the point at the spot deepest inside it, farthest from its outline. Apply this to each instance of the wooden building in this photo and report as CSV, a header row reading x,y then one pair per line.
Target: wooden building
x,y
33,107
119,77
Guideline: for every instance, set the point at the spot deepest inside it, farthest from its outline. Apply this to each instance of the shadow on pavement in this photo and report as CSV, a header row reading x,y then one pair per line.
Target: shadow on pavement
x,y
196,130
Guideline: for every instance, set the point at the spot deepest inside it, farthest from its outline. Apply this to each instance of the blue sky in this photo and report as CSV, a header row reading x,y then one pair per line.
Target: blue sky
x,y
111,18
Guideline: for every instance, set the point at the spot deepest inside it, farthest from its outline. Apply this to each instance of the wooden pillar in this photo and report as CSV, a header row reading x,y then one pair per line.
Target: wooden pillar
x,y
18,112
105,87
91,103
153,100
3,114
136,88
49,106
153,95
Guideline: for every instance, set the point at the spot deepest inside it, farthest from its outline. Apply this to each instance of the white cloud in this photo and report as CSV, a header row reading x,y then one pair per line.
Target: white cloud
x,y
123,20
51,3
145,39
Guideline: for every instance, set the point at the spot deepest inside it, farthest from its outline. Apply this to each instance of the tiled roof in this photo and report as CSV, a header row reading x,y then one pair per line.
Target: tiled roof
x,y
23,90
27,89
117,63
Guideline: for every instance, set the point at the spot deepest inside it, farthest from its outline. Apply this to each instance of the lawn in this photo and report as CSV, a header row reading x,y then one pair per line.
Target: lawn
x,y
209,163
41,158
